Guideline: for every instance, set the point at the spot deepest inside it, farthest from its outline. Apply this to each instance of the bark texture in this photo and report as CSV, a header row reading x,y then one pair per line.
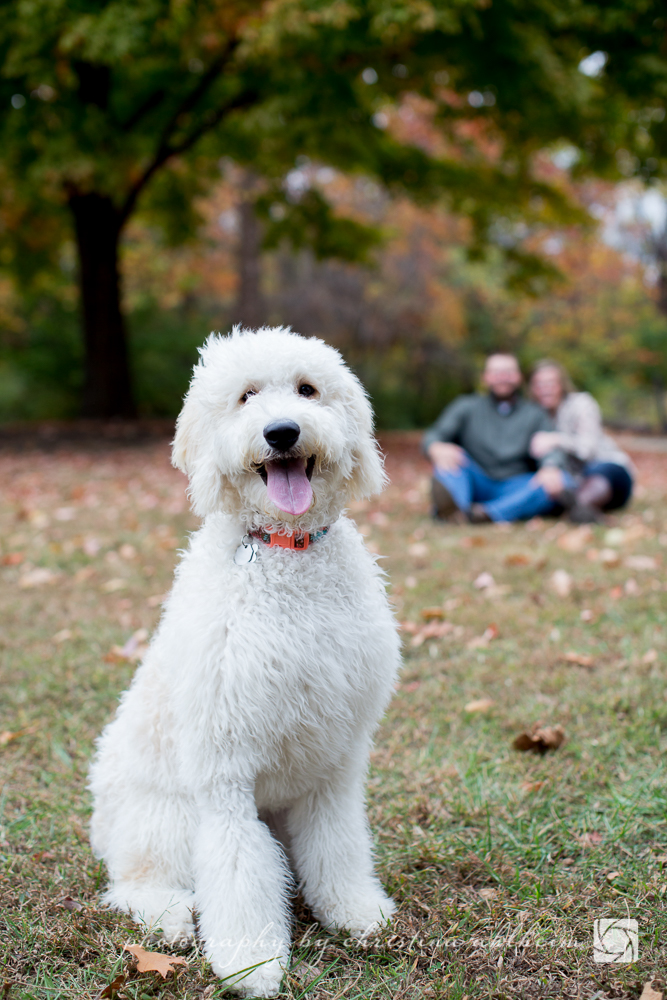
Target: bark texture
x,y
108,387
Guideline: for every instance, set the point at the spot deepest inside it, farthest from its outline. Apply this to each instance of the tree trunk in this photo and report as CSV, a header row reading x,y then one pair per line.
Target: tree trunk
x,y
107,389
249,308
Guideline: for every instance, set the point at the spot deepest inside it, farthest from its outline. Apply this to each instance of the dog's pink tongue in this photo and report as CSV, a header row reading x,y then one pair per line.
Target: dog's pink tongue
x,y
288,487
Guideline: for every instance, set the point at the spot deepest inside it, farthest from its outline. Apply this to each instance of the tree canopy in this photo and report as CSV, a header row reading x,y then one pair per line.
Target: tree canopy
x,y
111,106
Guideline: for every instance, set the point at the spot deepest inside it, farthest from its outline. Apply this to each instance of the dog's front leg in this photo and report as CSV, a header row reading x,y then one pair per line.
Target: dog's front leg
x,y
241,884
332,850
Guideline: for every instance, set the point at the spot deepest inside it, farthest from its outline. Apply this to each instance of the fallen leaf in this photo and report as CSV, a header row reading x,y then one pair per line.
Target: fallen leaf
x,y
636,531
479,705
532,786
37,578
434,630
65,514
640,562
430,613
411,686
73,905
539,739
13,559
587,615
488,894
127,551
132,651
615,537
517,559
591,839
112,585
581,659
575,540
114,986
154,961
418,550
473,542
612,875
63,635
378,518
561,581
9,737
648,993
84,573
616,593
650,656
484,580
156,599
483,640
411,582
631,587
609,558
91,546
410,627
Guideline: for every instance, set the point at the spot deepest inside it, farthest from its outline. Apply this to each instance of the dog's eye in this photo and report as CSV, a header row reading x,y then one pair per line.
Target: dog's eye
x,y
306,390
246,395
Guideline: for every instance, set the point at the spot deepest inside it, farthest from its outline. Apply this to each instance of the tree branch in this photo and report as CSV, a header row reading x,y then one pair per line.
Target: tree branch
x,y
143,109
165,152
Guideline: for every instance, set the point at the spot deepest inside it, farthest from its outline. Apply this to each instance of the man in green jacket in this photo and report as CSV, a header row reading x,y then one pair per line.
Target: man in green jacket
x,y
480,450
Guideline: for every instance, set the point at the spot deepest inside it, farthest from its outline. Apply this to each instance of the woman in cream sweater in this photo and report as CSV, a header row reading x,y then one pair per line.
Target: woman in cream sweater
x,y
603,471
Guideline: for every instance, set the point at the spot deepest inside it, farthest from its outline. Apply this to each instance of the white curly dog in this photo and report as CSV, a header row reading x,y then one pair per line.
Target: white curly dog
x,y
237,760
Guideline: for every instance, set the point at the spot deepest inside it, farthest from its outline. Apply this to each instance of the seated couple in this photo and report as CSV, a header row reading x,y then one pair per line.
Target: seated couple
x,y
501,457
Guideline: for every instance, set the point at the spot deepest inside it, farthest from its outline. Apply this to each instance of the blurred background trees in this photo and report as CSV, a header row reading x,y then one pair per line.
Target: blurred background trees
x,y
411,181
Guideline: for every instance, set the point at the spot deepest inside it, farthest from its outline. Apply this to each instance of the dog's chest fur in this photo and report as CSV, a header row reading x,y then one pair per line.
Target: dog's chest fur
x,y
285,662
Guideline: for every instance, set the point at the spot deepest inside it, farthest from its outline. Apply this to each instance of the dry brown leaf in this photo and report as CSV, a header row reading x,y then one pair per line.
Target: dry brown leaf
x,y
609,558
575,540
73,905
488,894
612,875
532,786
430,613
62,636
631,587
616,593
132,651
483,581
591,839
37,577
114,986
650,656
8,737
648,993
156,599
409,627
581,659
154,961
479,705
13,559
434,630
518,559
561,581
112,585
539,739
587,615
640,562
483,640
473,542
419,550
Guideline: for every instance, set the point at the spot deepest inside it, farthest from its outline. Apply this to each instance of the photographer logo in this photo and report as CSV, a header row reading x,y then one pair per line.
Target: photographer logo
x,y
615,940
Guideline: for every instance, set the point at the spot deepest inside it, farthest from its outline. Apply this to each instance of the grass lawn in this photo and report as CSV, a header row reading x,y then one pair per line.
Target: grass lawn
x,y
500,860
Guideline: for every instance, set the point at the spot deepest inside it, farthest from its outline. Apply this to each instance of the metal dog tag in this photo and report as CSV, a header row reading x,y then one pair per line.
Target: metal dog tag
x,y
246,552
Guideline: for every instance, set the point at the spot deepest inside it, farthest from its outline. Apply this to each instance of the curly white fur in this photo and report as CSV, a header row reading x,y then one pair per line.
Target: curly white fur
x,y
239,753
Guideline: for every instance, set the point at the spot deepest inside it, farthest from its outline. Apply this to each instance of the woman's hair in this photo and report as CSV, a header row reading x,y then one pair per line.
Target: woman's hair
x,y
566,383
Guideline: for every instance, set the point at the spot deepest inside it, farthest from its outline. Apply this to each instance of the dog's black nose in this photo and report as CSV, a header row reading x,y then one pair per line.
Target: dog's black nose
x,y
282,434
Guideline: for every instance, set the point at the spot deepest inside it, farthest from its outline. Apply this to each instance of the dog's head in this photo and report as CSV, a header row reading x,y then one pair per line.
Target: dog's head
x,y
277,430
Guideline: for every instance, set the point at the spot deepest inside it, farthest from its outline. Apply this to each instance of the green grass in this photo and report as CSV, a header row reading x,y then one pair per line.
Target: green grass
x,y
499,860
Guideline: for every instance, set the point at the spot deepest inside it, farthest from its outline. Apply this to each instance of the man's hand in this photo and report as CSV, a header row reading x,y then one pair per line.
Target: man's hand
x,y
446,457
543,442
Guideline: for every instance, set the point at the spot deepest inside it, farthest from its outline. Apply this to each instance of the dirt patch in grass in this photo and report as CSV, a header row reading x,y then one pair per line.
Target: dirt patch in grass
x,y
500,861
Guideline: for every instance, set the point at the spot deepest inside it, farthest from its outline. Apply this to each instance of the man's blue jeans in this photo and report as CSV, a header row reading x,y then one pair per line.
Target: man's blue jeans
x,y
515,499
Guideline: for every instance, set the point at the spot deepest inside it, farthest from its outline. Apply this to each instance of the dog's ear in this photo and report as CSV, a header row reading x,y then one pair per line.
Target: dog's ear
x,y
368,475
192,453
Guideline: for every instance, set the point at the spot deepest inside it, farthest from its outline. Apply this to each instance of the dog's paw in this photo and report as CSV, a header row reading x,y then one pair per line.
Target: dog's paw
x,y
360,917
264,981
166,914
